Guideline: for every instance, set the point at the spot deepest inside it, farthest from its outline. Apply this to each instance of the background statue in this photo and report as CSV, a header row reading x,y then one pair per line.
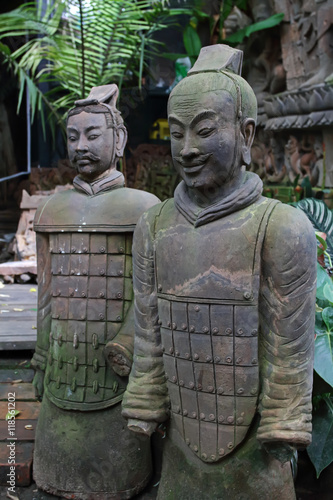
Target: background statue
x,y
224,283
85,316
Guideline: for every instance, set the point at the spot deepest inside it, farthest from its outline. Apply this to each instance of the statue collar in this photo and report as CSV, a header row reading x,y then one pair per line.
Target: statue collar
x,y
245,195
111,181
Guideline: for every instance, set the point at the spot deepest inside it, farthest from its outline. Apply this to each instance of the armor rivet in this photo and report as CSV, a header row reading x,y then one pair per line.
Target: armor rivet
x,y
204,456
168,323
230,420
56,316
192,329
191,385
194,415
228,331
210,388
254,361
102,272
84,272
215,330
199,387
121,249
184,326
202,416
119,295
60,362
195,448
254,332
73,249
50,337
221,452
159,322
181,383
51,249
95,386
208,358
230,446
247,295
75,364
102,249
240,420
177,353
75,341
205,329
187,441
228,359
220,390
95,365
72,272
118,318
174,379
217,359
85,250
95,342
101,316
196,356
163,348
211,416
240,391
60,340
83,294
187,356
197,308
174,326
185,412
240,331
213,457
254,391
58,383
120,272
71,294
171,350
221,419
102,295
159,288
238,361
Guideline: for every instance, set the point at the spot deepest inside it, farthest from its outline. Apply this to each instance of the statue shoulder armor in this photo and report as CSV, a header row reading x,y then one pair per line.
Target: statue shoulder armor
x,y
114,210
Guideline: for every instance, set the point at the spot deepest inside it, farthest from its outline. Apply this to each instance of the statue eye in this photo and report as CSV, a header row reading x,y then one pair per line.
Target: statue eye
x,y
93,137
177,135
205,132
71,138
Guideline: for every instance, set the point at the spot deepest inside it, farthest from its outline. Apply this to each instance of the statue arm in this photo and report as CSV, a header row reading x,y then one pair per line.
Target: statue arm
x,y
44,310
287,314
146,398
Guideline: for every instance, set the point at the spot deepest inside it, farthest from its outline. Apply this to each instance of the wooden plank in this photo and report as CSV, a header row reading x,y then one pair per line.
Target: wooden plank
x,y
21,432
8,375
23,391
18,267
23,463
29,410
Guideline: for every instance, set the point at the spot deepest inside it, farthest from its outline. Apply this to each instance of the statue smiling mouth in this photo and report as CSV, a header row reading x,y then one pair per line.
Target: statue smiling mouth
x,y
194,166
85,159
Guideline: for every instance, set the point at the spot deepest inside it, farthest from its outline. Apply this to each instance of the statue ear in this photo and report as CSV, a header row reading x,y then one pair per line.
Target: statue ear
x,y
121,139
248,128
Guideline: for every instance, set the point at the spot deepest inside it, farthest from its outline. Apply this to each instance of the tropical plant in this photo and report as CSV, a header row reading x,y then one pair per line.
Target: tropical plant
x,y
74,45
321,449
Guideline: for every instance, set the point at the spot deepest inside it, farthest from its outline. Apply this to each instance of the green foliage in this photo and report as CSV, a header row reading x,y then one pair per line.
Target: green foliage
x,y
239,36
321,449
74,45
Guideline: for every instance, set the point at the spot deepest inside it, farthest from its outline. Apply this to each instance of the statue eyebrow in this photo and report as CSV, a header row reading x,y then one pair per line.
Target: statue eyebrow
x,y
208,113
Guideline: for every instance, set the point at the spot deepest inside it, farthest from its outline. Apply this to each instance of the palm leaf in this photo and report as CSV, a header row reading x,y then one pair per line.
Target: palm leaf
x,y
321,217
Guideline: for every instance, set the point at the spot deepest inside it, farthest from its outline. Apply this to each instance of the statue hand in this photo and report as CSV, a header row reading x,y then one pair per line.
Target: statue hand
x,y
141,426
38,383
283,452
118,358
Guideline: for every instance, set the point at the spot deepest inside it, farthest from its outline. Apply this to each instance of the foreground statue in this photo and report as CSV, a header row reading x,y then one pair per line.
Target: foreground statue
x,y
85,332
224,282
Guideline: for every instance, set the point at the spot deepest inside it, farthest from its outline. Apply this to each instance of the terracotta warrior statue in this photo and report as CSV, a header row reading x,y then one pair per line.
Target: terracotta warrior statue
x,y
224,281
84,350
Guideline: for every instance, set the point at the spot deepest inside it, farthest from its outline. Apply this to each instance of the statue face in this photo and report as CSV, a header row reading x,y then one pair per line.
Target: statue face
x,y
90,144
203,137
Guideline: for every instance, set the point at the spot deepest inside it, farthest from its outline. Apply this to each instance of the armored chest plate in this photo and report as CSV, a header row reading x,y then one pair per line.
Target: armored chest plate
x,y
91,294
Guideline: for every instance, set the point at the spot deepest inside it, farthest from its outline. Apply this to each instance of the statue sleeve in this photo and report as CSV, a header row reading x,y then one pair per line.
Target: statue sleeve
x,y
146,397
287,315
44,301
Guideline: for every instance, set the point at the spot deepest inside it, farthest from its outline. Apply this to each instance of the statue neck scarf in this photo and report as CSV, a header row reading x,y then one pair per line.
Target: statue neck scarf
x,y
112,181
249,191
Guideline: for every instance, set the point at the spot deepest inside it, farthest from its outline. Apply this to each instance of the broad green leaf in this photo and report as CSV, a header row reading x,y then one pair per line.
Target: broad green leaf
x,y
322,280
192,42
328,294
320,450
239,36
323,352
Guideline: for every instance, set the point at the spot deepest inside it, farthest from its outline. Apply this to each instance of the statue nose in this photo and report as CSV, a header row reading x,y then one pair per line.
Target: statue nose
x,y
189,152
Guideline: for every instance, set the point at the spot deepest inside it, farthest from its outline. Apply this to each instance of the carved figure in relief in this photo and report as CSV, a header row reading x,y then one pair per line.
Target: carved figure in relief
x,y
85,324
224,285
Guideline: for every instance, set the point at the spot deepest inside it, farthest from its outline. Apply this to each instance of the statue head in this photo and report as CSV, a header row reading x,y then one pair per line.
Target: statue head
x,y
96,135
212,115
